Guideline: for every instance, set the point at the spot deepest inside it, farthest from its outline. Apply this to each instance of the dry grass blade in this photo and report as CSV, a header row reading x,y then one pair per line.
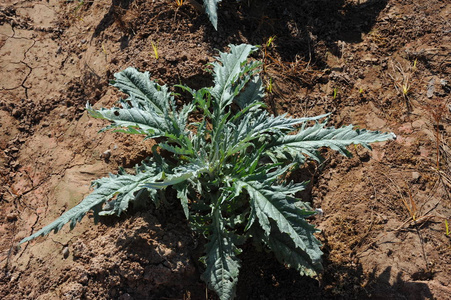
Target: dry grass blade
x,y
412,207
402,80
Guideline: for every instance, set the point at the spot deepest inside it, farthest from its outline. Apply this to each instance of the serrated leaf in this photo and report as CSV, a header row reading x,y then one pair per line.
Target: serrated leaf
x,y
179,175
150,108
139,86
176,150
135,120
309,139
254,126
182,194
122,186
223,266
271,205
227,73
181,118
290,188
253,92
149,171
287,253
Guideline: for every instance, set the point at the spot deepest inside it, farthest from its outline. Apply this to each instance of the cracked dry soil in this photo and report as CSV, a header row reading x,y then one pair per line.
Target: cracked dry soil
x,y
378,64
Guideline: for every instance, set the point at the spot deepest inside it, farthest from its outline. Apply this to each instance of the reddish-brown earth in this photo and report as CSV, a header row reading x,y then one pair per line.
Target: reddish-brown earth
x,y
350,58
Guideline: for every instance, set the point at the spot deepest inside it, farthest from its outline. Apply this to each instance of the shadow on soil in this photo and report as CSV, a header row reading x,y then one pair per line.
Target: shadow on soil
x,y
380,287
152,257
261,275
117,9
299,26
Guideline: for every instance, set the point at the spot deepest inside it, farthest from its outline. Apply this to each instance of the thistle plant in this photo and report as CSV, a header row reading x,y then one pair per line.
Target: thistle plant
x,y
228,168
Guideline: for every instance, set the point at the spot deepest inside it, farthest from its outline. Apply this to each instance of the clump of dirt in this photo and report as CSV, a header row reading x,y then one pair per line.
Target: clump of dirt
x,y
381,65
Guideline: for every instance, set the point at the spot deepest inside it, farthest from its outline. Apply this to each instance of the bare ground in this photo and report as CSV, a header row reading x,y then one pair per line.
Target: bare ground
x,y
381,65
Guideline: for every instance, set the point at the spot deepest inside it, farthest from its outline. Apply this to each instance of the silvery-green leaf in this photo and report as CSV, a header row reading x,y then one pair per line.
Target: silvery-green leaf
x,y
227,73
211,10
287,253
122,186
179,175
271,205
132,120
139,86
309,139
222,270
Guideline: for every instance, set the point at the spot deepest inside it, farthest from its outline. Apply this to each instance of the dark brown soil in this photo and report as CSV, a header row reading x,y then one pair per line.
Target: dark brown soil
x,y
377,64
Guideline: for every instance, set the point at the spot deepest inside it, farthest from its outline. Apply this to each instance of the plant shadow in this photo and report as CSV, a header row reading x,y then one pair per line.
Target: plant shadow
x,y
152,257
299,26
263,277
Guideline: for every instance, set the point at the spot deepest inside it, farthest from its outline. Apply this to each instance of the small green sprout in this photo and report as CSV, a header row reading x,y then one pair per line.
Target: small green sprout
x,y
270,40
405,89
269,86
402,78
155,49
104,51
335,95
446,227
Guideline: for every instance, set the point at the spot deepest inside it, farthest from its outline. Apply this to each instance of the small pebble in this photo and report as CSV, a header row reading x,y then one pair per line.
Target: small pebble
x,y
11,217
106,155
66,252
415,176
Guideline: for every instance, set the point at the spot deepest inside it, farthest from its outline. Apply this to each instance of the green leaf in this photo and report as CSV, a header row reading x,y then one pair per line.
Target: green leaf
x,y
287,253
182,194
141,89
253,92
149,109
135,120
149,171
223,266
272,205
123,186
176,150
227,74
309,139
179,175
254,126
290,188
